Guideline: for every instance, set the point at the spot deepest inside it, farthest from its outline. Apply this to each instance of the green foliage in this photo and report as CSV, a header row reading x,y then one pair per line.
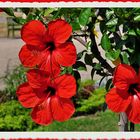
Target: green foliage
x,y
13,117
112,54
79,65
13,80
105,42
93,103
84,16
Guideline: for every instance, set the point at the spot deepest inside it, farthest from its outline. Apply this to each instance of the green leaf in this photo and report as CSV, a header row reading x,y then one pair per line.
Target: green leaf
x,y
130,50
20,20
30,17
48,11
75,26
92,73
138,31
108,85
105,42
113,54
80,66
70,70
137,18
84,16
125,58
77,76
9,11
109,13
97,66
132,32
88,59
112,22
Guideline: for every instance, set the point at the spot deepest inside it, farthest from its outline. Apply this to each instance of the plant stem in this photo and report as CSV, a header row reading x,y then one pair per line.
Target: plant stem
x,y
95,51
132,127
123,122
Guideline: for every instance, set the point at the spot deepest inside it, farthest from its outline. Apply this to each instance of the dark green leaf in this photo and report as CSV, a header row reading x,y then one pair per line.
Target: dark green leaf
x,y
80,54
88,59
108,85
9,11
80,66
30,17
84,16
105,42
92,73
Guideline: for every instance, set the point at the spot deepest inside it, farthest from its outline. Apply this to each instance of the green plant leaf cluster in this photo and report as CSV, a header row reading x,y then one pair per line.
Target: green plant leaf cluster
x,y
93,103
14,117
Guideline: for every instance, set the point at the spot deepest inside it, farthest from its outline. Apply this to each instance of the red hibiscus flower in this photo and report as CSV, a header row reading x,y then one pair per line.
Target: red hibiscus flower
x,y
48,98
125,96
47,48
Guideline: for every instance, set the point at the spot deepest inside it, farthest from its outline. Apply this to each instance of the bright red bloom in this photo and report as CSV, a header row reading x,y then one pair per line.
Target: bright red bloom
x,y
47,48
50,99
125,96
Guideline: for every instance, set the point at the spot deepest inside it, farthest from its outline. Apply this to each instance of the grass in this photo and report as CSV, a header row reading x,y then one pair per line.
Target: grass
x,y
101,121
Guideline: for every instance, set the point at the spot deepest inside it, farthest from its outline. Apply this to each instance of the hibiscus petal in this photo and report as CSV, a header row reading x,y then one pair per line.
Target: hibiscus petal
x,y
38,79
26,96
29,58
124,76
117,101
133,111
59,30
33,33
62,109
66,86
65,54
139,78
49,64
42,114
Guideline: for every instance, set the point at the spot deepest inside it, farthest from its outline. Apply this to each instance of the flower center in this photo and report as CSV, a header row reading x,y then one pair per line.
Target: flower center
x,y
133,89
50,45
50,90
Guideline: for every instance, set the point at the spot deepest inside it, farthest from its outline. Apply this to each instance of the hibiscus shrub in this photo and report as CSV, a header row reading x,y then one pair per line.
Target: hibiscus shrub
x,y
51,48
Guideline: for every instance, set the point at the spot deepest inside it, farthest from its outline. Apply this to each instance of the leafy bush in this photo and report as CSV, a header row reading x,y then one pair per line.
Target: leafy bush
x,y
13,117
89,99
93,103
13,80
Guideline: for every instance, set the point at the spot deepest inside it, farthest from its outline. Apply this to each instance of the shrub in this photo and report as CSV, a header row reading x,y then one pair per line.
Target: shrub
x,y
93,103
13,117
